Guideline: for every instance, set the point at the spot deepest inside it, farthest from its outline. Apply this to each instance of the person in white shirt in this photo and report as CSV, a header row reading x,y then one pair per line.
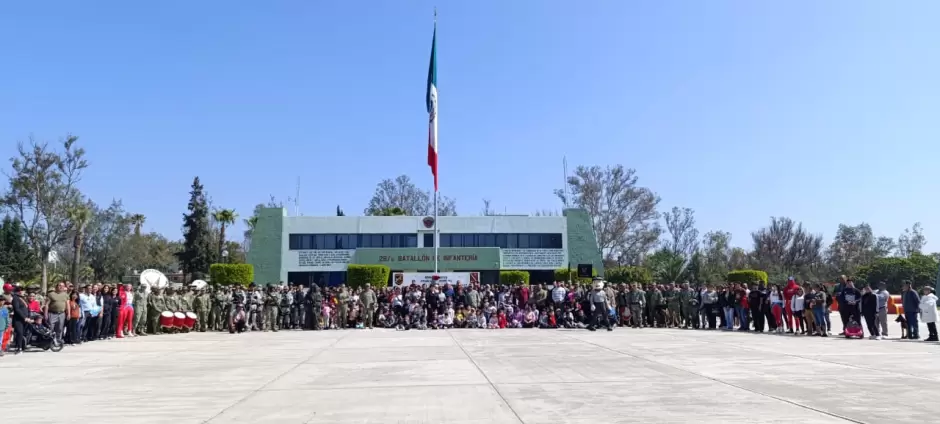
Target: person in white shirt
x,y
796,309
558,295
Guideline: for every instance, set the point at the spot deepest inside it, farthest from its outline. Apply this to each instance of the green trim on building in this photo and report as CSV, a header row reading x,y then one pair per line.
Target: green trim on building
x,y
266,244
422,258
582,244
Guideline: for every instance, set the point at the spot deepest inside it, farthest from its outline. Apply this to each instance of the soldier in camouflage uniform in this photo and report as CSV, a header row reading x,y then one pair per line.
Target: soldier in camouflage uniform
x,y
216,299
369,305
637,301
201,304
315,305
140,311
284,308
690,306
658,307
271,304
673,305
343,299
255,304
172,299
297,308
156,304
186,299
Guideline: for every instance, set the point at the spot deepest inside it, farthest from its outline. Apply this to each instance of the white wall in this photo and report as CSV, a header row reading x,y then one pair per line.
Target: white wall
x,y
328,260
415,224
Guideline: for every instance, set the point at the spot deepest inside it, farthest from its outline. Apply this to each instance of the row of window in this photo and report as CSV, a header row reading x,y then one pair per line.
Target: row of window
x,y
504,241
350,241
353,241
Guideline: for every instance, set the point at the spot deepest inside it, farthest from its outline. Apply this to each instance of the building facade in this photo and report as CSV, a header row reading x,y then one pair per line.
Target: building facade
x,y
309,249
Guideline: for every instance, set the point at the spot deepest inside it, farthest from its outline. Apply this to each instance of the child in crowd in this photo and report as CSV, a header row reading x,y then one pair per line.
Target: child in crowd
x,y
327,318
501,319
796,306
493,322
6,330
473,320
447,320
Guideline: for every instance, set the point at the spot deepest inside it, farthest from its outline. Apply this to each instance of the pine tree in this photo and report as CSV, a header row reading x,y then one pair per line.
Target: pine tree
x,y
197,245
17,261
339,212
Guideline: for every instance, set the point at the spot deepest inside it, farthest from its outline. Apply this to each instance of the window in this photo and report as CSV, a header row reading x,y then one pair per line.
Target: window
x,y
523,241
512,241
501,240
351,241
429,240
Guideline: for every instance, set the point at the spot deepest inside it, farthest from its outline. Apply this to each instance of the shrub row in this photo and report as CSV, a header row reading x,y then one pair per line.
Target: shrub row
x,y
228,274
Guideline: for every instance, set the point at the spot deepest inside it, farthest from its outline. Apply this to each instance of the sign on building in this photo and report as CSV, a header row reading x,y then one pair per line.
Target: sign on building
x,y
426,278
323,260
533,258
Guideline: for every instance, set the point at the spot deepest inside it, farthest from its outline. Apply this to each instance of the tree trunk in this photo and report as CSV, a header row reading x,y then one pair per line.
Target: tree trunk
x,y
222,243
45,274
78,257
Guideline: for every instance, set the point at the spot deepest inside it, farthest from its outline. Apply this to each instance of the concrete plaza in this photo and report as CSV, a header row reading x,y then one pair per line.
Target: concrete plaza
x,y
475,376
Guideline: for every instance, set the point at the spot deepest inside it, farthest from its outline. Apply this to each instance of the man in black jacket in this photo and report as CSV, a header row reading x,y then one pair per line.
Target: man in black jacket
x,y
20,320
755,302
849,302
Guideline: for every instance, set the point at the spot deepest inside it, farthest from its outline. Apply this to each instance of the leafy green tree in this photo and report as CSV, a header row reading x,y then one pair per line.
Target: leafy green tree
x,y
394,211
920,270
106,241
197,252
911,241
43,188
17,261
716,252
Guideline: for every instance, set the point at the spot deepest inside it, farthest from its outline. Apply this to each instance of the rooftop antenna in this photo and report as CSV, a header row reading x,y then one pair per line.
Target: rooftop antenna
x,y
297,199
564,188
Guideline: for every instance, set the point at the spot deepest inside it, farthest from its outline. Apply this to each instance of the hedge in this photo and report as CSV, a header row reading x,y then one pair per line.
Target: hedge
x,y
562,274
629,275
515,278
360,275
227,274
747,276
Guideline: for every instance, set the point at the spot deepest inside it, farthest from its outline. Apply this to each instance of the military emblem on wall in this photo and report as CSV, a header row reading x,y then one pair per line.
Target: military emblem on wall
x,y
428,222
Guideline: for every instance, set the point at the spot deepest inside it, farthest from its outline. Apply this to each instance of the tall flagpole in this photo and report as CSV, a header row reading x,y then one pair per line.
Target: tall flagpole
x,y
437,234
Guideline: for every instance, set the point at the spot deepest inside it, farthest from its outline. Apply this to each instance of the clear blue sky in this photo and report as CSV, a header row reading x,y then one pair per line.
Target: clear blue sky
x,y
826,112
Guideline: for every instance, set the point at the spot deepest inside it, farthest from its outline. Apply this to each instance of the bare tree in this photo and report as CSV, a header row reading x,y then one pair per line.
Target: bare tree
x,y
623,215
43,189
683,236
854,246
546,212
403,194
911,241
784,247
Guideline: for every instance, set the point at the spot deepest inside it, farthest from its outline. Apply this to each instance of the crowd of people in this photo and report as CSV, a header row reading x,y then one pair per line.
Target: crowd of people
x,y
101,311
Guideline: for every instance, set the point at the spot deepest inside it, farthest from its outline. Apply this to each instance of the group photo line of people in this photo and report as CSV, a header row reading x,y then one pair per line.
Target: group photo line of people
x,y
70,315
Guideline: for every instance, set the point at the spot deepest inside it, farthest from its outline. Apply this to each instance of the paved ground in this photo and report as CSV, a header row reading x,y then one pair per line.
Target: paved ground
x,y
475,376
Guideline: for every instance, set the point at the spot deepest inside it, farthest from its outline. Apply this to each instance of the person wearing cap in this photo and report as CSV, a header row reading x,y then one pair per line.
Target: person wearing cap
x,y
20,319
928,313
600,306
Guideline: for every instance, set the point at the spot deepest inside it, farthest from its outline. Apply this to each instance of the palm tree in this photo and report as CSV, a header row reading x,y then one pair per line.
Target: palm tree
x,y
79,216
250,224
224,217
137,220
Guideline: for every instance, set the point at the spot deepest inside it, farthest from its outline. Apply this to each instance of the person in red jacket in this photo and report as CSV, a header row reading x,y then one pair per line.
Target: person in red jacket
x,y
125,311
788,292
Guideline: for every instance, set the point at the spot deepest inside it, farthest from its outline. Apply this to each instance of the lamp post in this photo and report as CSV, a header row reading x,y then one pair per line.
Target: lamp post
x,y
225,256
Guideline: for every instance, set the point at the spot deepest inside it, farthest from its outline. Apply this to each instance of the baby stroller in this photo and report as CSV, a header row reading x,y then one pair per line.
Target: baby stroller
x,y
41,336
853,330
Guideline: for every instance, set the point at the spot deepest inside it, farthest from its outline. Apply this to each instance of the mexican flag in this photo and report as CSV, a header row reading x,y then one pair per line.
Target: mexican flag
x,y
431,100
